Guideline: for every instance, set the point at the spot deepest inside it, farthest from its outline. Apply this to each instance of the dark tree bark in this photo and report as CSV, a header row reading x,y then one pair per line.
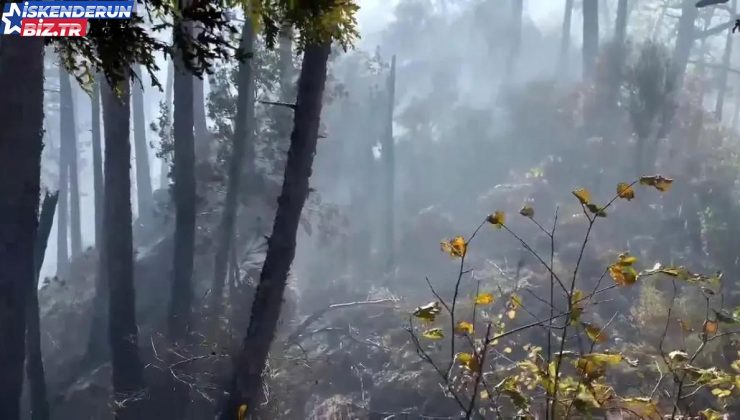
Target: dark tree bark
x,y
590,37
35,362
68,132
21,105
684,42
97,349
122,330
389,162
517,13
183,168
141,148
164,169
565,38
246,384
243,136
722,79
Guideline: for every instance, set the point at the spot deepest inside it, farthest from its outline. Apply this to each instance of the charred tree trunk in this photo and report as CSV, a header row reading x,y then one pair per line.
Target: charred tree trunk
x,y
117,218
243,138
684,42
620,26
96,347
68,132
722,82
21,105
517,12
590,38
141,148
389,161
183,168
247,379
35,362
565,38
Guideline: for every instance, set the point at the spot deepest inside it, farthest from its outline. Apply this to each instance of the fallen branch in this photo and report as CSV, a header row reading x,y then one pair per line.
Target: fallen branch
x,y
293,338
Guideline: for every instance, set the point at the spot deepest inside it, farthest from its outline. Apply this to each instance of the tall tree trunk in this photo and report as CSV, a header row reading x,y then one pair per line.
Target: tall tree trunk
x,y
122,330
141,148
517,12
389,161
68,132
97,159
164,169
722,82
181,294
590,38
283,115
35,362
22,108
199,118
96,347
63,213
565,38
684,42
246,383
243,137
620,26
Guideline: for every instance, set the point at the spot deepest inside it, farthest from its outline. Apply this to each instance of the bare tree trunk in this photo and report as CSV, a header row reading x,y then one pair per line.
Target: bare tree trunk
x,y
122,329
565,38
620,26
22,108
722,82
199,119
181,295
389,161
141,148
590,37
63,214
246,384
68,132
684,42
96,346
284,116
35,362
517,12
243,138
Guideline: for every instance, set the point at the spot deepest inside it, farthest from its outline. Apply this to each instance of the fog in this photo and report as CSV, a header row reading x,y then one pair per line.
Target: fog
x,y
483,113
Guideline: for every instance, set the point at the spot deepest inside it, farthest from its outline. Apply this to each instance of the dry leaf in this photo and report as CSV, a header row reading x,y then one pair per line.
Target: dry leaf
x,y
484,299
497,218
625,191
583,196
434,334
527,211
428,312
464,327
456,247
659,182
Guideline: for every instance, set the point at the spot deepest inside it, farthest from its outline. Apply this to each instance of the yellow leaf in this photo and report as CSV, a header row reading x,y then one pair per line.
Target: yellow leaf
x,y
594,333
527,211
623,275
514,301
709,414
434,334
507,350
583,196
456,247
484,299
603,358
464,327
428,312
659,182
498,218
642,407
242,412
484,395
710,327
625,191
721,393
736,365
626,259
468,360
